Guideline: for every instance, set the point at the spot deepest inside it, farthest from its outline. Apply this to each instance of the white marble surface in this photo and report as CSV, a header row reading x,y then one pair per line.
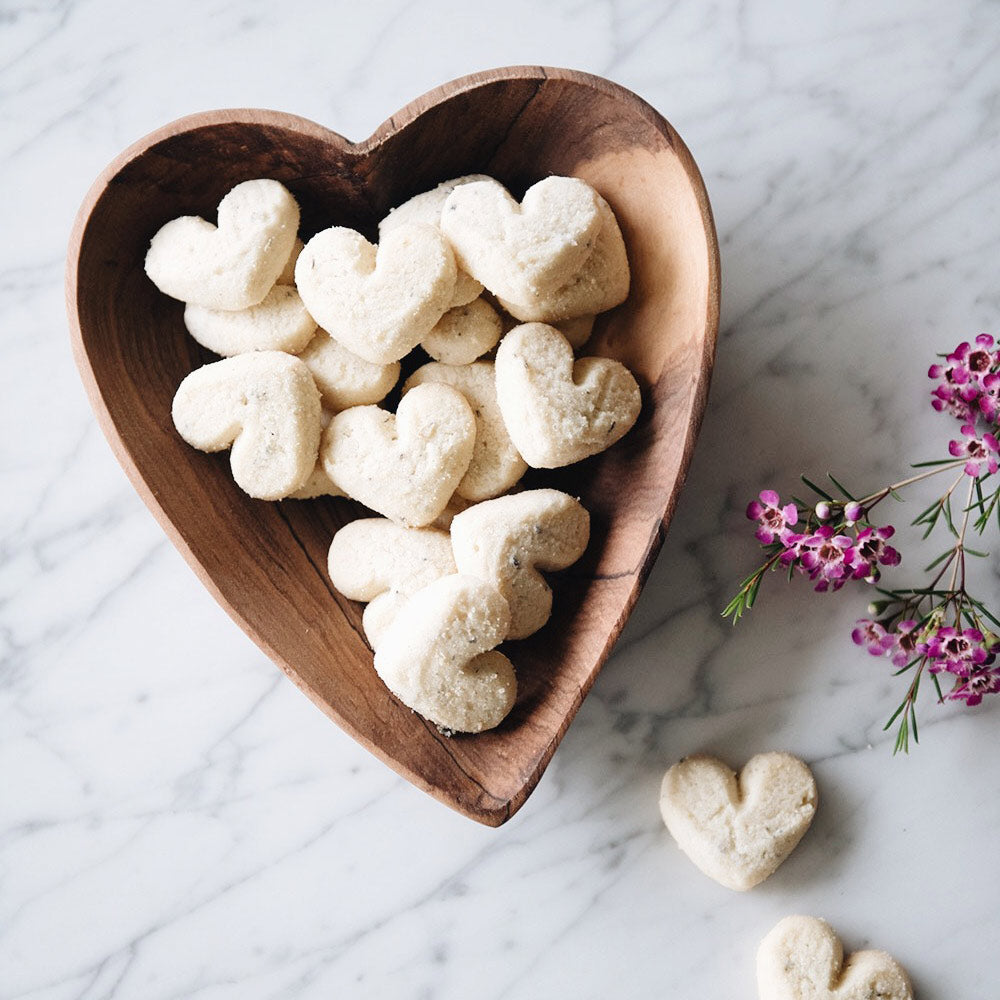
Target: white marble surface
x,y
177,821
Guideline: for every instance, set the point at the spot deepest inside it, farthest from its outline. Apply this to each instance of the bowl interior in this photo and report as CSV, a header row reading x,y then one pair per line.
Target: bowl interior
x,y
265,562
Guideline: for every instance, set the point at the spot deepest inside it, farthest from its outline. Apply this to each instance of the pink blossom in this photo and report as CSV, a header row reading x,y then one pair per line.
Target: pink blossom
x,y
853,512
907,643
775,520
873,636
971,691
827,557
959,653
872,551
981,358
979,450
960,402
989,399
962,377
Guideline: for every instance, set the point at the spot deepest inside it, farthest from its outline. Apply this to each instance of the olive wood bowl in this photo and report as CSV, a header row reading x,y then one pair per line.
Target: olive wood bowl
x,y
265,562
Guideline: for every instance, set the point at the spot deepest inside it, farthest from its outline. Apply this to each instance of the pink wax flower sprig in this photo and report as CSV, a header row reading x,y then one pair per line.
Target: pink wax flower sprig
x,y
940,628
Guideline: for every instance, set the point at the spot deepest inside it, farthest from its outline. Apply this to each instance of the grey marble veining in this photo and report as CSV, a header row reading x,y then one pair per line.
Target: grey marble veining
x,y
177,821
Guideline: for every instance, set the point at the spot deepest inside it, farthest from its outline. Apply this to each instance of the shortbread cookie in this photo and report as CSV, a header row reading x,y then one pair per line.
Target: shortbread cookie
x,y
577,331
464,333
427,208
558,411
438,655
232,266
343,378
287,276
279,323
455,506
319,484
404,465
374,559
379,302
737,830
508,540
496,465
266,406
601,283
802,959
523,252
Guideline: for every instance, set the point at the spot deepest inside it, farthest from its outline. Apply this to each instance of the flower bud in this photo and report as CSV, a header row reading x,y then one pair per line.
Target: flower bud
x,y
823,510
853,512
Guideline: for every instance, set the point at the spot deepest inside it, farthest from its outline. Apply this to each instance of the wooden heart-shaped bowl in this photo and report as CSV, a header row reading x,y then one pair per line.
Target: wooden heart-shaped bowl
x,y
265,562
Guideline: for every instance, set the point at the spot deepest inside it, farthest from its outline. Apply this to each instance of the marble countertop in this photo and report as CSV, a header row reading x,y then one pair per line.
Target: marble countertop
x,y
178,821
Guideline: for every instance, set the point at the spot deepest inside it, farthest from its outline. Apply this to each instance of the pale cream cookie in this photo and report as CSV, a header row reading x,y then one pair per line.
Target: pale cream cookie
x,y
464,333
343,378
455,506
508,540
601,282
405,465
496,465
263,404
438,655
379,302
557,410
577,331
427,208
279,323
287,276
319,484
232,266
738,828
802,959
375,560
527,251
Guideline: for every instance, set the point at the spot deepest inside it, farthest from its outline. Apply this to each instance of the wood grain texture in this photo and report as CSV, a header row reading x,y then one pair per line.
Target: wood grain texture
x,y
265,562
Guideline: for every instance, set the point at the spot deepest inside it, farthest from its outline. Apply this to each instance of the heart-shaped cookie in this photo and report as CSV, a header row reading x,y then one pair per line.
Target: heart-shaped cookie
x,y
522,251
279,323
438,655
405,465
496,464
379,302
343,378
518,125
802,959
738,829
426,207
600,283
559,411
377,561
266,406
232,265
508,540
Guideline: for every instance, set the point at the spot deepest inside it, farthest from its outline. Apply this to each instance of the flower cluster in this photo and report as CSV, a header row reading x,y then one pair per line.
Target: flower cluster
x,y
966,654
829,554
969,381
938,628
969,389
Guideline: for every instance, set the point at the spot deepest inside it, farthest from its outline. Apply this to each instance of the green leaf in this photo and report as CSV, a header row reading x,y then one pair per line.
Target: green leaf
x,y
940,559
983,609
840,486
816,489
947,515
937,687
